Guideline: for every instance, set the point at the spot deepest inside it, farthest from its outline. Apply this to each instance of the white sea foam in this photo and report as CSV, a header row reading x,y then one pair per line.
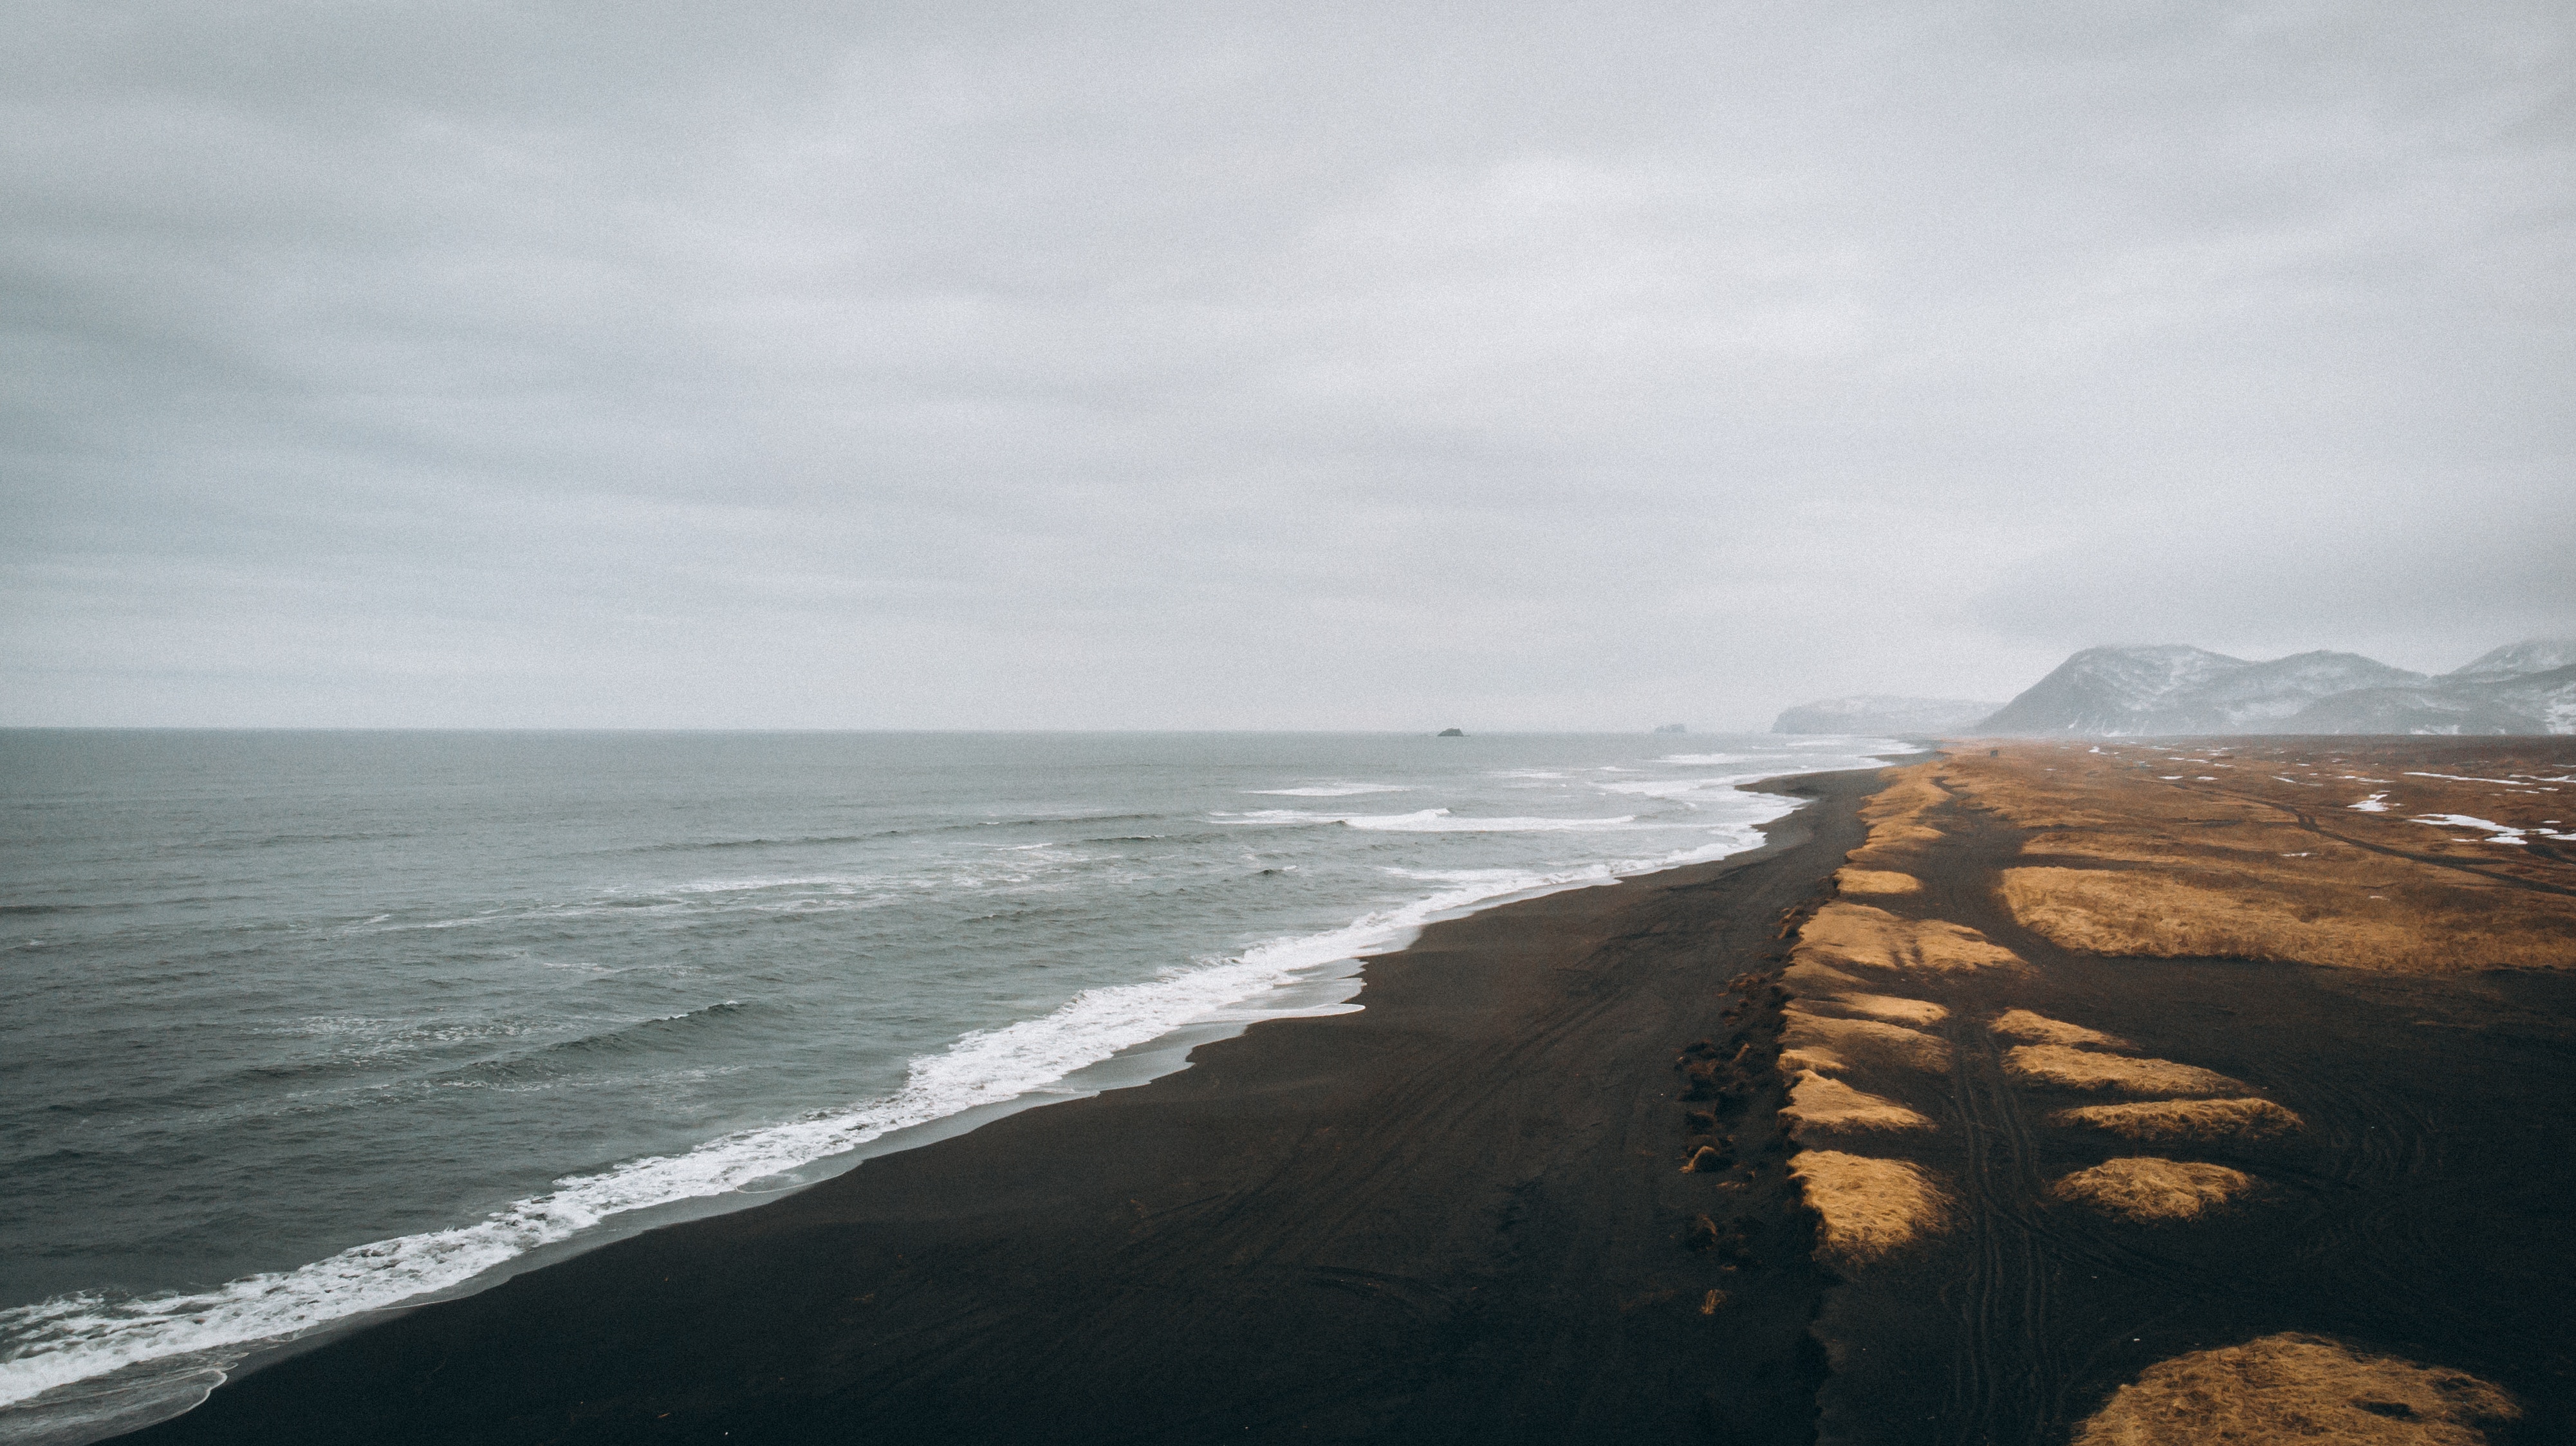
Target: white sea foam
x,y
1432,820
1006,865
761,885
57,1343
1736,837
1450,876
1679,789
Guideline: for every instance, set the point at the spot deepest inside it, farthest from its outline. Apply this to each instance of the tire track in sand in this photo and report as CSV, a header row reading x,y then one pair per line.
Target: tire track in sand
x,y
2003,1313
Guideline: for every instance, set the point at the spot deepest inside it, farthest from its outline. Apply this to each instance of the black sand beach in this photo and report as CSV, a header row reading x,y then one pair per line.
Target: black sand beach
x,y
1455,1215
1460,1214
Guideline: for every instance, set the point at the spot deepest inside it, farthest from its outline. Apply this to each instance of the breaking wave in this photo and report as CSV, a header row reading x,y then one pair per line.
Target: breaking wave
x,y
1433,820
200,1334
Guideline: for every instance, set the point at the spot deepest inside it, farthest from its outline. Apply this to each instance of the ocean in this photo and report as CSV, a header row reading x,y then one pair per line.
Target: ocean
x,y
299,1026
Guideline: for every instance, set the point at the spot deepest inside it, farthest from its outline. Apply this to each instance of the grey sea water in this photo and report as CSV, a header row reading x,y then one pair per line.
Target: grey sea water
x,y
296,1026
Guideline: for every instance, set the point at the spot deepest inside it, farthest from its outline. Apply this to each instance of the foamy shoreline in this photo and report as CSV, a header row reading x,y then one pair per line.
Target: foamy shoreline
x,y
183,1343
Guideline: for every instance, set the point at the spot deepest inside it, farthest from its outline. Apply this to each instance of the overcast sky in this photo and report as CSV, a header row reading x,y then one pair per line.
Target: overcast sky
x,y
1505,365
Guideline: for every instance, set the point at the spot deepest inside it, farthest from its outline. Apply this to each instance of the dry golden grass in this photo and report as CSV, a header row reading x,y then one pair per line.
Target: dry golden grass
x,y
2084,1070
1856,934
2023,1025
1816,1102
1895,815
2177,1122
1811,978
2175,914
2149,1190
1893,1009
1799,1059
1875,881
1909,793
2214,859
2517,783
1893,849
2297,1388
1866,1208
1818,1041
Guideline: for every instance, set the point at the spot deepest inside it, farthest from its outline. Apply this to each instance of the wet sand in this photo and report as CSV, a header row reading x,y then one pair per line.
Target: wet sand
x,y
1459,1214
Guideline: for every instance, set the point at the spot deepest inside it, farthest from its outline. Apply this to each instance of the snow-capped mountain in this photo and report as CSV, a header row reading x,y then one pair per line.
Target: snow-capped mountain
x,y
2176,689
1881,713
2495,703
2536,655
2529,687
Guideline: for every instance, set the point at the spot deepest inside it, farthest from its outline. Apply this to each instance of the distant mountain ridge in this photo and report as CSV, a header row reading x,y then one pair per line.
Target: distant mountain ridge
x,y
2171,688
2527,687
2537,655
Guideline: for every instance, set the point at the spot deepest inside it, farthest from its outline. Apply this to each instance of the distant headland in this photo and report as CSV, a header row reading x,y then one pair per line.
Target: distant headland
x,y
2522,688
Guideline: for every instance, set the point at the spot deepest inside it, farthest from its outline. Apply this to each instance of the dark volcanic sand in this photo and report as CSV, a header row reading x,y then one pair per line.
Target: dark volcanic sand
x,y
2428,1211
1454,1216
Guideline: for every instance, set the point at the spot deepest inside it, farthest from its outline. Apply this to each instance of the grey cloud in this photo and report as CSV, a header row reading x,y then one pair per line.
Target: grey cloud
x,y
1147,366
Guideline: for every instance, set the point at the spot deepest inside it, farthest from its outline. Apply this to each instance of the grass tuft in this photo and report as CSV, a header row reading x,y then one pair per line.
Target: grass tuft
x,y
2298,1388
2084,1070
2149,1190
2197,1122
1817,1102
2032,1028
1866,1209
1842,935
1876,881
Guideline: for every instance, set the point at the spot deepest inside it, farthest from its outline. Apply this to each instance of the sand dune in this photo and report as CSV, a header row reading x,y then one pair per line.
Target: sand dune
x,y
1857,934
1817,1041
1816,1102
1876,881
2145,1188
2084,1070
2032,1028
2297,1388
2168,1122
1866,1208
1810,978
1895,816
1893,1009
